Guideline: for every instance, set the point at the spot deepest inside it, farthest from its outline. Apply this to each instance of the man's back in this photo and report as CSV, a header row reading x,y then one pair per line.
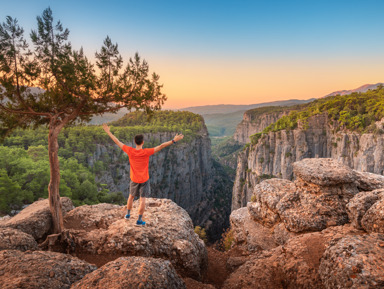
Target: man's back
x,y
139,161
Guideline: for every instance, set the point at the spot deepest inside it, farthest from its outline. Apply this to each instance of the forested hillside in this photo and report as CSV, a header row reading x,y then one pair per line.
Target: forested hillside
x,y
24,164
354,112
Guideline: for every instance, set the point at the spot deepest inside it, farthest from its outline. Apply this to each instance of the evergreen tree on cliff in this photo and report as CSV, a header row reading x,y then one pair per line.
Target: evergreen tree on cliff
x,y
72,88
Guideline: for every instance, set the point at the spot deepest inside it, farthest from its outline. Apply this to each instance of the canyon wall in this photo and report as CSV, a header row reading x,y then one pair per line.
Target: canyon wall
x,y
275,152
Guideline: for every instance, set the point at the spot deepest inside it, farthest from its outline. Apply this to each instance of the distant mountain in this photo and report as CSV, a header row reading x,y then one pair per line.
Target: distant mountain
x,y
222,119
229,108
363,88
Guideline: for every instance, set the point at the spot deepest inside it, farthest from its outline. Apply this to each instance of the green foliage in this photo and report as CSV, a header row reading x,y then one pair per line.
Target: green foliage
x,y
11,195
354,112
185,122
201,233
25,176
255,137
226,240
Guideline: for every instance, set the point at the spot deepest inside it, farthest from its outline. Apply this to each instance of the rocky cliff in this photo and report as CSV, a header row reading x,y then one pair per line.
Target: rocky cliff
x,y
157,255
273,154
256,120
324,230
184,172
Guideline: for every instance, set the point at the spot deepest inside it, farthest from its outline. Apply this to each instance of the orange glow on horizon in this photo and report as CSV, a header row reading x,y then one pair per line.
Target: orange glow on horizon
x,y
190,83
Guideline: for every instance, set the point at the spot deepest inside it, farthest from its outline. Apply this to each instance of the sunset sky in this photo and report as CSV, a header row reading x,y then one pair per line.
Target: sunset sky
x,y
231,52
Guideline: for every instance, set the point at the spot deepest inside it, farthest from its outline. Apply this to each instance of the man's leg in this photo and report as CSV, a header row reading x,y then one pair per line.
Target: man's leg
x,y
130,202
129,206
133,191
142,206
144,192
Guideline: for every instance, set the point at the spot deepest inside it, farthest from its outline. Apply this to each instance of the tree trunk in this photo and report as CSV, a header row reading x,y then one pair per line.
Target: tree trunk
x,y
53,187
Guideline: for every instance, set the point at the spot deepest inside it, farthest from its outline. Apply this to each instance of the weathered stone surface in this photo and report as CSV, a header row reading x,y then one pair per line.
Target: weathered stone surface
x,y
359,205
354,262
281,234
304,212
373,220
12,239
36,219
301,206
169,234
267,195
133,272
248,234
323,172
294,265
37,269
369,181
90,217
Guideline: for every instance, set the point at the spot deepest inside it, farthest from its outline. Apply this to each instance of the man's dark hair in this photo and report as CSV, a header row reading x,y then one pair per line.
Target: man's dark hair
x,y
139,139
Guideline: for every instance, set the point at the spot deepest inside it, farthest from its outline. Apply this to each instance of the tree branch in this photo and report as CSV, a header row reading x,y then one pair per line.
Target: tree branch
x,y
2,107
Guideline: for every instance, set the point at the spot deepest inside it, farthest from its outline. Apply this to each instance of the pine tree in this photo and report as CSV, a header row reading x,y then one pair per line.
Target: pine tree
x,y
71,89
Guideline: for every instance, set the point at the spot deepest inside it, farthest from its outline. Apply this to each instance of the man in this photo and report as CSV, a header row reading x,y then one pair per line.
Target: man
x,y
139,161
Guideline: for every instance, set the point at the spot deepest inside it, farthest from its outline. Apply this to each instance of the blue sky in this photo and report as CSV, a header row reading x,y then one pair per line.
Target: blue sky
x,y
210,52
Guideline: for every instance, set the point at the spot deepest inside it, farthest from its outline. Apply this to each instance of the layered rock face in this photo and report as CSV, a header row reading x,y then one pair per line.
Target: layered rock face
x,y
252,124
183,173
275,152
324,230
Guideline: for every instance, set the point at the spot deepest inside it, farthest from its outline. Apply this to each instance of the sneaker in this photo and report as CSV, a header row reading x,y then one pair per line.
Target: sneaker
x,y
140,223
127,217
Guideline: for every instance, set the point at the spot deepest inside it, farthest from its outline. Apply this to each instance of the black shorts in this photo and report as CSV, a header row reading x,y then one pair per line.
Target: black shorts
x,y
140,189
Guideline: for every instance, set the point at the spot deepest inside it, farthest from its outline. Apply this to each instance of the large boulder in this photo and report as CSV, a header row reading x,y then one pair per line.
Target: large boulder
x,y
360,204
316,200
294,265
37,269
92,217
266,197
12,239
307,210
368,181
248,234
373,220
133,272
36,219
354,262
101,232
323,172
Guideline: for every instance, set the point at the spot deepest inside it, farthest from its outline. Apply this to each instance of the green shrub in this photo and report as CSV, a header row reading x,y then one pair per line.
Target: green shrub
x,y
226,240
201,233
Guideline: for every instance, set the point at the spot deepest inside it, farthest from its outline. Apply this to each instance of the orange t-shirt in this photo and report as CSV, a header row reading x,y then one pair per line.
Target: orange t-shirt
x,y
139,161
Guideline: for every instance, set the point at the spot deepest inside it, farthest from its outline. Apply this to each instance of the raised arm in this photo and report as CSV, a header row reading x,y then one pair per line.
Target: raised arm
x,y
168,143
119,143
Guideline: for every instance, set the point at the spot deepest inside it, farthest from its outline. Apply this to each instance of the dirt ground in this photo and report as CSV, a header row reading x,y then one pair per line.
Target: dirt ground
x,y
217,271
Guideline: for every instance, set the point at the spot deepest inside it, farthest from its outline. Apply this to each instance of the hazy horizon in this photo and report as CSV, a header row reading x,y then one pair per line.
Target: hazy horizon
x,y
230,52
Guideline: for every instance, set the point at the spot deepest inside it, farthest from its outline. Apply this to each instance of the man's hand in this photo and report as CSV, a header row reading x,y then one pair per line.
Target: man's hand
x,y
106,128
178,137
